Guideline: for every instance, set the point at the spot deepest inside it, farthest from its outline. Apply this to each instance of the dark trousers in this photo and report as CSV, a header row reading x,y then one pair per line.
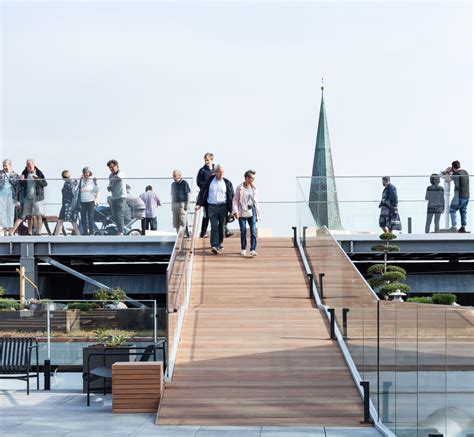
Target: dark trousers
x,y
117,206
429,218
204,225
87,217
149,223
217,217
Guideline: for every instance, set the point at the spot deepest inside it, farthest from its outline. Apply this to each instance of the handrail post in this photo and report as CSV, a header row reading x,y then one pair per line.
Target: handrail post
x,y
344,322
304,235
321,295
333,323
366,386
409,225
295,244
310,279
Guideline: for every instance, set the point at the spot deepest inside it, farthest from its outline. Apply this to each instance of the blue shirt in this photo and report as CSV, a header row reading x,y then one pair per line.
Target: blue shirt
x,y
217,192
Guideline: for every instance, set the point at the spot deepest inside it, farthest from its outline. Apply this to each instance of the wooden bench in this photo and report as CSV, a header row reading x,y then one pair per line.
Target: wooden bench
x,y
137,387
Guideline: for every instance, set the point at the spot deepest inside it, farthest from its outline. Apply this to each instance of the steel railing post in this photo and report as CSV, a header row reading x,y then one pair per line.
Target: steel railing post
x,y
344,322
333,323
366,386
321,294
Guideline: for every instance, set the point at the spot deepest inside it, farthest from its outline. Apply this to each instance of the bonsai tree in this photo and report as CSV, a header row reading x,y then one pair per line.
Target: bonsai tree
x,y
386,278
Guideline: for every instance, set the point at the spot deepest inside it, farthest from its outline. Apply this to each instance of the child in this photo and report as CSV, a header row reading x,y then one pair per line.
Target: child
x,y
435,198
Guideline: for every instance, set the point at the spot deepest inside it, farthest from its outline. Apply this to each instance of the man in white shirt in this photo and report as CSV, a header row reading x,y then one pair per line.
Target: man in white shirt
x,y
217,198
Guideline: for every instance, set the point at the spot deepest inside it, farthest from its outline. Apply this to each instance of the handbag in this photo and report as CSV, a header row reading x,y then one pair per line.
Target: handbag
x,y
246,213
395,222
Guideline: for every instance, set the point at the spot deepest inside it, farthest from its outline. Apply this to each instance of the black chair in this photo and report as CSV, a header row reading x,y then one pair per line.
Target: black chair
x,y
15,359
104,372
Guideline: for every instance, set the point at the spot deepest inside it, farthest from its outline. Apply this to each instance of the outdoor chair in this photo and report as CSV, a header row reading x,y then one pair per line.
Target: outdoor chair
x,y
104,372
15,359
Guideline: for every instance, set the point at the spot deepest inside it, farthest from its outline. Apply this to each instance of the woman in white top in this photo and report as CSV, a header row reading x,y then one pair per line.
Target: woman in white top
x,y
89,198
245,208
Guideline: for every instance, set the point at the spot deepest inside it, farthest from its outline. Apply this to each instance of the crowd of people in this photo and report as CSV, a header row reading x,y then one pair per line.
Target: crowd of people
x,y
389,219
22,200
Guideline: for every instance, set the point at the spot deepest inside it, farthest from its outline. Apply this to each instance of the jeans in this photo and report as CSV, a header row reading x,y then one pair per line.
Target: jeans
x,y
87,217
117,207
458,203
217,217
252,221
149,223
429,218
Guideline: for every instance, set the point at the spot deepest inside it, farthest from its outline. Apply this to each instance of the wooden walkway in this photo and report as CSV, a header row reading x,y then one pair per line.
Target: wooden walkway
x,y
254,349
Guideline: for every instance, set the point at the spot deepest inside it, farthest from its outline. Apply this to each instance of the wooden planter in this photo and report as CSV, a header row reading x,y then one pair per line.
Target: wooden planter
x,y
29,320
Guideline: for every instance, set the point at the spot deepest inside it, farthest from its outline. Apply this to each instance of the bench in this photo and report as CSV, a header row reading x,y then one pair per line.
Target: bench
x,y
15,359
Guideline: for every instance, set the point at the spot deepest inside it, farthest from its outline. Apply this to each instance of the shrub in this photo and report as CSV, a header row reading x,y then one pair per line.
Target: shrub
x,y
420,299
8,304
83,306
444,298
2,291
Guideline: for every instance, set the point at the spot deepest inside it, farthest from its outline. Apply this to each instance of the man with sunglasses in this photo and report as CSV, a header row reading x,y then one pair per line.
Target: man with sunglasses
x,y
118,191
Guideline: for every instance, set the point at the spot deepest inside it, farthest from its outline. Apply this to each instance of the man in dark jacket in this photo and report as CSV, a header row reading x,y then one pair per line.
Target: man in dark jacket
x,y
216,197
460,200
203,176
32,183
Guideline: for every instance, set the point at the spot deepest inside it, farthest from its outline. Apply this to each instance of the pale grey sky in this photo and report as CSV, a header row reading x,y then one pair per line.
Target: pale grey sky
x,y
156,85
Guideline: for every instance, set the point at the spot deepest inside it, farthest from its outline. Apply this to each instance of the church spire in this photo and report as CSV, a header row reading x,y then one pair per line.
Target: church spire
x,y
323,194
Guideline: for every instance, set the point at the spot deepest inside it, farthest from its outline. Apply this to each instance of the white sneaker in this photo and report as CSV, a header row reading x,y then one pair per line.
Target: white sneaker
x,y
243,252
253,253
214,250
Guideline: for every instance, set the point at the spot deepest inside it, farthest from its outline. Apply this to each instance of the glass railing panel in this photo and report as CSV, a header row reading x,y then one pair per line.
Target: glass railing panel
x,y
358,198
74,325
387,393
432,370
103,215
460,367
406,365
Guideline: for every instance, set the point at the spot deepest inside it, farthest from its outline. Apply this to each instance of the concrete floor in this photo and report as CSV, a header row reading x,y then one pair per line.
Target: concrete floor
x,y
63,412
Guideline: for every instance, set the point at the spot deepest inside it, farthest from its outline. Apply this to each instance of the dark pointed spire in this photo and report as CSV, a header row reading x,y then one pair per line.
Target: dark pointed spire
x,y
323,194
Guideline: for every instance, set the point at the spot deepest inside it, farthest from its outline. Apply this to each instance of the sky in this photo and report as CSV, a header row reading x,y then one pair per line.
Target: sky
x,y
155,85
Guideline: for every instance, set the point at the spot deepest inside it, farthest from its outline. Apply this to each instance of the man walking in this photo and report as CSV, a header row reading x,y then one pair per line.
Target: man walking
x,y
152,202
460,200
118,191
217,197
203,176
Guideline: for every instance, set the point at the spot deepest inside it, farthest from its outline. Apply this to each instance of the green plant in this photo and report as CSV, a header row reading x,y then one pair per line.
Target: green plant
x,y
83,306
2,291
8,304
444,298
101,335
387,278
420,299
118,294
116,340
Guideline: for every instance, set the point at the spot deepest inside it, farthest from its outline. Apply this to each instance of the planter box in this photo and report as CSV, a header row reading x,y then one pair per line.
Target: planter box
x,y
29,320
137,387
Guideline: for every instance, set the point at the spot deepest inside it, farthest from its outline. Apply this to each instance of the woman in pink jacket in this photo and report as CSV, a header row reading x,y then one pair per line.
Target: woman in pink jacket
x,y
245,208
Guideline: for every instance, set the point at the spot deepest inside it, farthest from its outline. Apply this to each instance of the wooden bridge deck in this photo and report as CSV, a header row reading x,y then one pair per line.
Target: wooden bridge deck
x,y
254,350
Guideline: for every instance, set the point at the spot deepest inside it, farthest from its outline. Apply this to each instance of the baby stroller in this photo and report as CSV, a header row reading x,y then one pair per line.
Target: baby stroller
x,y
103,215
